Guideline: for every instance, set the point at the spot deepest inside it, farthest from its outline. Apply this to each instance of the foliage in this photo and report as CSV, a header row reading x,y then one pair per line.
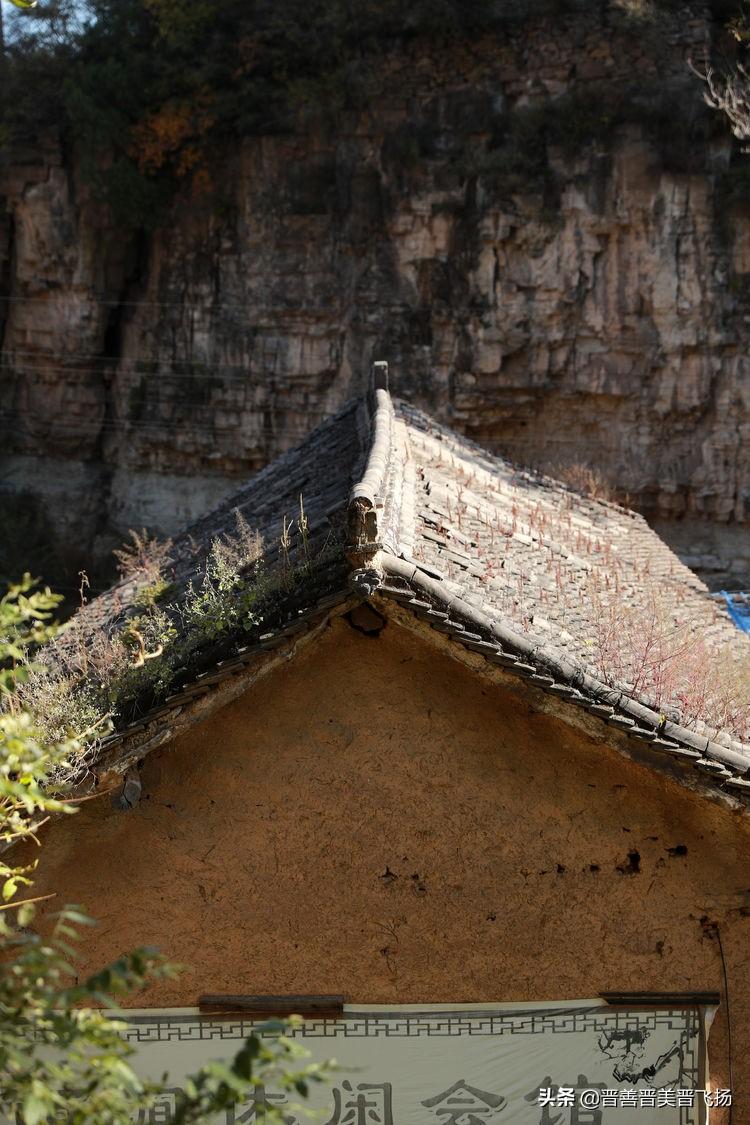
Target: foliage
x,y
90,677
59,1051
157,591
519,159
152,90
56,1055
225,598
25,617
152,87
34,55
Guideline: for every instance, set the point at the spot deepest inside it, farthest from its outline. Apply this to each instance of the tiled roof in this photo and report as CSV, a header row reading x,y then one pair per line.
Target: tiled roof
x,y
321,471
580,578
577,595
541,580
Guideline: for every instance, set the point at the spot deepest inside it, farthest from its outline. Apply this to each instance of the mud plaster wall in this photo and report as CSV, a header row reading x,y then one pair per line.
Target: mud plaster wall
x,y
375,819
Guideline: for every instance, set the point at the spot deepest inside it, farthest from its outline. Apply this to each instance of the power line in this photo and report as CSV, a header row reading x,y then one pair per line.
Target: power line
x,y
157,377
111,424
10,364
108,302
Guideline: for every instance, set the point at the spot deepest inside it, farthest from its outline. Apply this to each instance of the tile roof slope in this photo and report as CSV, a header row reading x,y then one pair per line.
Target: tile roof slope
x,y
529,562
321,470
545,558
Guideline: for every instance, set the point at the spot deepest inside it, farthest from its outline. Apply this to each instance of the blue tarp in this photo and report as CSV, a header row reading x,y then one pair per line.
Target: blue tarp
x,y
739,609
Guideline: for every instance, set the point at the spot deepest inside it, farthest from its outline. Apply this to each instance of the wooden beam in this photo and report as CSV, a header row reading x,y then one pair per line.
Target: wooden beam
x,y
320,1007
660,999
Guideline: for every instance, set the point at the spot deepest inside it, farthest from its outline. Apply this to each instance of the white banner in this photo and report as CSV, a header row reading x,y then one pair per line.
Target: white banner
x,y
572,1063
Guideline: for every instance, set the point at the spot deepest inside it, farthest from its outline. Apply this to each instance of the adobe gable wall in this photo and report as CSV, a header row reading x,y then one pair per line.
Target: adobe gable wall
x,y
377,820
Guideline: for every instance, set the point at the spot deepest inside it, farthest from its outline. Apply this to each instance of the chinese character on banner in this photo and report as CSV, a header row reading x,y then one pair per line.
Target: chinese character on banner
x,y
561,1105
462,1104
370,1104
255,1108
162,1109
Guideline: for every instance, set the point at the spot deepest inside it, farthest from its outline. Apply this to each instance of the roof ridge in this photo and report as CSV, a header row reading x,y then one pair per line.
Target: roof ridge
x,y
367,495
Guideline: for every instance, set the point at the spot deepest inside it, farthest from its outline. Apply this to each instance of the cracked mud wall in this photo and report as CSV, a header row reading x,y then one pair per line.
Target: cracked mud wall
x,y
378,820
581,302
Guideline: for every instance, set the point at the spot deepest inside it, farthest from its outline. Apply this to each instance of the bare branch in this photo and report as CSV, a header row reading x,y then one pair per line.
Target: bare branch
x,y
728,93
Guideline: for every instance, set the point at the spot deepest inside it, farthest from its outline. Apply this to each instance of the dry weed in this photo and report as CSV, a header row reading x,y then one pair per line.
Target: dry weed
x,y
648,649
585,479
143,556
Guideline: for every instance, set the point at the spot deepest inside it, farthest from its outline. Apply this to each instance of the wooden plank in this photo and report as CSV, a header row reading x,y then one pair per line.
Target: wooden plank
x,y
322,1006
661,999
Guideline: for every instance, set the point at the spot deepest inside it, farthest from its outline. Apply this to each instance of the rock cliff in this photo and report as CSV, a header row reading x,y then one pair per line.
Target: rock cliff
x,y
542,232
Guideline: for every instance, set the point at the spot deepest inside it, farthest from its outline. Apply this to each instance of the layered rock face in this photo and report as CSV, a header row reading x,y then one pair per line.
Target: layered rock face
x,y
581,303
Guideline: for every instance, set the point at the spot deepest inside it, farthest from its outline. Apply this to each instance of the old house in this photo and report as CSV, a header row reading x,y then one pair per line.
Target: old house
x,y
457,759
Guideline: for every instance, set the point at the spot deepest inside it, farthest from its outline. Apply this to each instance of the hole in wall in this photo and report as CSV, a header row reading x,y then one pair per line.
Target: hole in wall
x,y
630,866
365,619
418,885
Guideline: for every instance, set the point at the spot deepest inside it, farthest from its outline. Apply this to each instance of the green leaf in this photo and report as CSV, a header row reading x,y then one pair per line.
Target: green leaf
x,y
26,914
77,1046
35,1108
73,915
243,1062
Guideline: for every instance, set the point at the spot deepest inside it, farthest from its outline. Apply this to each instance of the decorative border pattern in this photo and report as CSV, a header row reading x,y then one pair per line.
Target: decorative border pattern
x,y
358,1025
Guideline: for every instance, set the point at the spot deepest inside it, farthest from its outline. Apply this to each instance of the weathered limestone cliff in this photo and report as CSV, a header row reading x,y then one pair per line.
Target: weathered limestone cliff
x,y
567,285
